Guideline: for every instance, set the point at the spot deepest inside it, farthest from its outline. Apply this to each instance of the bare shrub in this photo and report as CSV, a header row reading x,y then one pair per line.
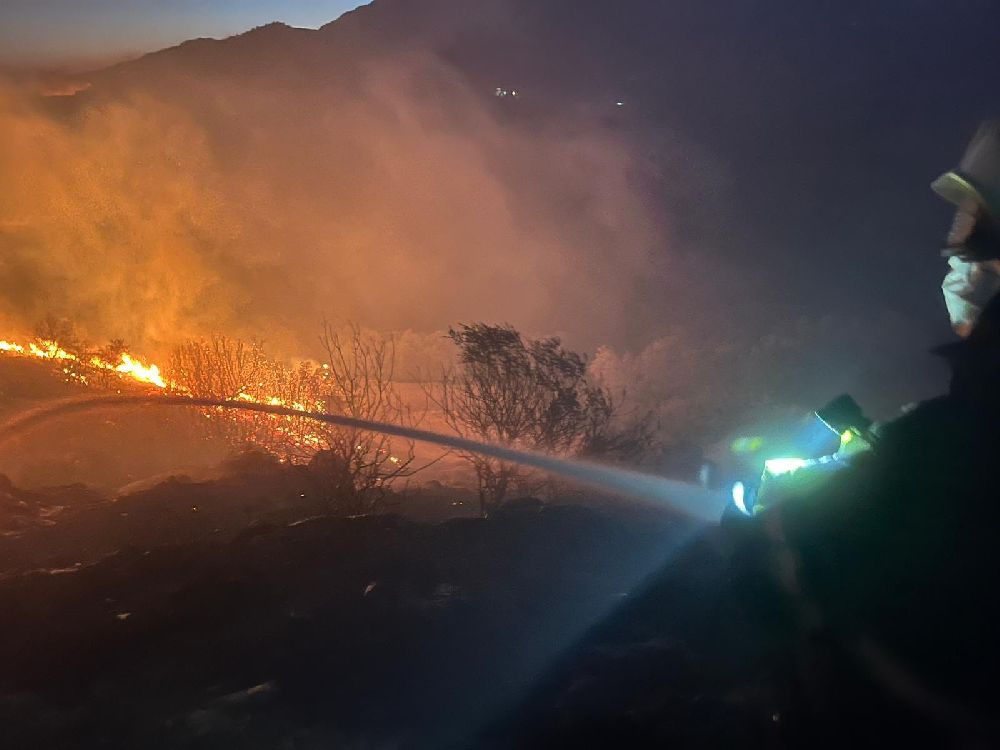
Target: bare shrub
x,y
356,379
61,331
219,367
106,377
529,394
357,467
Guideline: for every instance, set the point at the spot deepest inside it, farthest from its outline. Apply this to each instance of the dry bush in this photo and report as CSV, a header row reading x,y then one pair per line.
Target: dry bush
x,y
224,369
357,467
219,367
356,379
532,395
107,378
61,331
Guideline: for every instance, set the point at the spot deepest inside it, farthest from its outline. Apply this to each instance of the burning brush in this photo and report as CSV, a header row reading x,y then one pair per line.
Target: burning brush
x,y
79,369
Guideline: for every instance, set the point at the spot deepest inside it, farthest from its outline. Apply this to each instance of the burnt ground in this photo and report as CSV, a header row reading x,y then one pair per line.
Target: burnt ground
x,y
244,610
238,607
195,614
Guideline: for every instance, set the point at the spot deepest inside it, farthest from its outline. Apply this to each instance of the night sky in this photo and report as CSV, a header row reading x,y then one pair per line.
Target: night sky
x,y
70,31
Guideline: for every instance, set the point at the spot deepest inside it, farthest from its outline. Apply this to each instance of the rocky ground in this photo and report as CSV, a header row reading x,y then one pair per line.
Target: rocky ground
x,y
235,613
238,606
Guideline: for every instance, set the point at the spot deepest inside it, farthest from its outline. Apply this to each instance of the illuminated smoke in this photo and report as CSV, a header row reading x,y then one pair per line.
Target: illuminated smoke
x,y
189,206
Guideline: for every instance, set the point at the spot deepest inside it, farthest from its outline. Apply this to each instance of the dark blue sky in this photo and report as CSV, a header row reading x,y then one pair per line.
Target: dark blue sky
x,y
68,31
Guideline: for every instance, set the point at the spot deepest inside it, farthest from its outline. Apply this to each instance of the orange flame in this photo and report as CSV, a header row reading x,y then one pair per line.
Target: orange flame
x,y
131,368
140,372
49,350
128,366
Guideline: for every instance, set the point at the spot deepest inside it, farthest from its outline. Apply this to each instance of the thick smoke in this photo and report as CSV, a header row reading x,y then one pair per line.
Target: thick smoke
x,y
700,390
113,219
411,202
170,205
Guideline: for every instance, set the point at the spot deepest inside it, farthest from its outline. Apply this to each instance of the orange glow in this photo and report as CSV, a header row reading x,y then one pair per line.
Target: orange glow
x,y
264,430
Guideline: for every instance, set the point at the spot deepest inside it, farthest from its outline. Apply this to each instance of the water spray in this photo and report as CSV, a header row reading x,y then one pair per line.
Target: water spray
x,y
692,500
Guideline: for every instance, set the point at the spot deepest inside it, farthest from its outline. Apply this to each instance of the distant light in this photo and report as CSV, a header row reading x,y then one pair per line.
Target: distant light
x,y
846,436
620,104
776,466
739,498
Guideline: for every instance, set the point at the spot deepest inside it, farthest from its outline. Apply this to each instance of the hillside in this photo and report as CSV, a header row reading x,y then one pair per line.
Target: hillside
x,y
367,170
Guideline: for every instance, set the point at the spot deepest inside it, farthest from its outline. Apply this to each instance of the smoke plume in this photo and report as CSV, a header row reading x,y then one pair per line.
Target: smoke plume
x,y
169,201
408,202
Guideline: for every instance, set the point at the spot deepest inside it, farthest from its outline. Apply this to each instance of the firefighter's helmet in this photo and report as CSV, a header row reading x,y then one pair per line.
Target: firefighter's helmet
x,y
974,186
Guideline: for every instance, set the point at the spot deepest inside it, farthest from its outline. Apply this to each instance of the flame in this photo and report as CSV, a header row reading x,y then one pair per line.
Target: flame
x,y
134,369
83,369
49,350
129,366
140,372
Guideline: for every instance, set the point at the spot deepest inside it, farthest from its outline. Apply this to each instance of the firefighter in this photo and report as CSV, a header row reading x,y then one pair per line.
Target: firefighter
x,y
973,246
888,575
